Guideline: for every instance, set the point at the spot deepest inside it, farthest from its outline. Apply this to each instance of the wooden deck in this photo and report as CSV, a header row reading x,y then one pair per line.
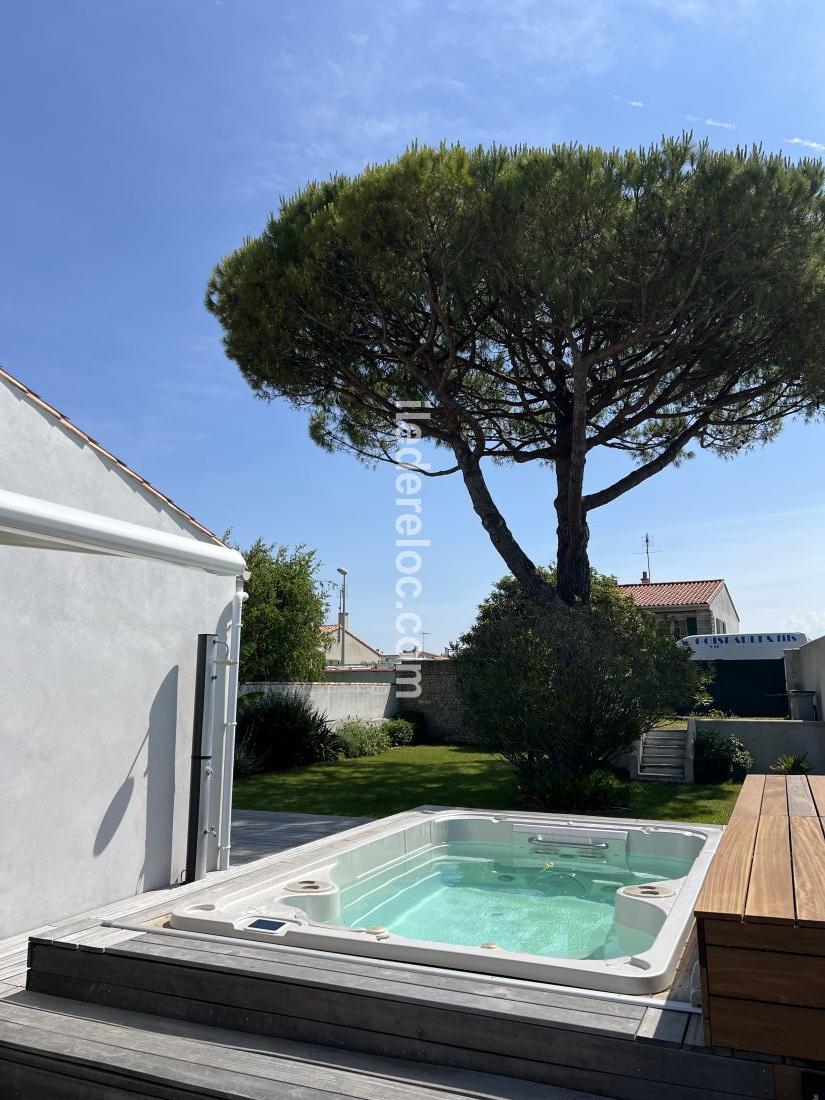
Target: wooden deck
x,y
52,1047
115,1013
533,1036
256,836
761,921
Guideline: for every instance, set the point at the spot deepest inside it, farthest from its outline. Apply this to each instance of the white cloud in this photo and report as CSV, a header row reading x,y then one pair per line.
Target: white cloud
x,y
703,11
721,125
818,145
570,35
811,622
629,102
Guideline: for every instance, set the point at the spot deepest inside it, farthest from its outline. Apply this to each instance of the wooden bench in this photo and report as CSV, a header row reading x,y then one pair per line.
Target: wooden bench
x,y
761,922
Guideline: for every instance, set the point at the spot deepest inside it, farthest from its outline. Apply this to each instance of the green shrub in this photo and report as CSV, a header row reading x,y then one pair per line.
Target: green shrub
x,y
596,792
710,712
718,759
358,738
279,732
418,721
561,692
399,731
791,764
247,761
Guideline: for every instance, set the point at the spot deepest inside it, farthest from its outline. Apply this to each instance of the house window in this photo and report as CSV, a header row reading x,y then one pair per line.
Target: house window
x,y
683,627
721,626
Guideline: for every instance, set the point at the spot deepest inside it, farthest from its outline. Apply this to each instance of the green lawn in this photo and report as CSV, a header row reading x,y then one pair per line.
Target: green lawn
x,y
448,775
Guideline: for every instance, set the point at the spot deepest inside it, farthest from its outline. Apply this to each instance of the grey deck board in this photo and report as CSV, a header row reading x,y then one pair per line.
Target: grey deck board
x,y
459,983
595,1072
163,1069
298,1070
252,981
539,1044
256,833
663,1026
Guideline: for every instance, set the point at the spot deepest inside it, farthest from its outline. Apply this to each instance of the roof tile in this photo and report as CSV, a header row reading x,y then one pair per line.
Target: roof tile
x,y
673,593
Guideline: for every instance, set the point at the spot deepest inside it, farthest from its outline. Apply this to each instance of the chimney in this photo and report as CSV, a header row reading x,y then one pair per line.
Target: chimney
x,y
645,577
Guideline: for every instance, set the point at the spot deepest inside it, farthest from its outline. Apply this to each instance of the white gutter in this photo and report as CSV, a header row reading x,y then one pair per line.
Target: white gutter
x,y
228,763
27,521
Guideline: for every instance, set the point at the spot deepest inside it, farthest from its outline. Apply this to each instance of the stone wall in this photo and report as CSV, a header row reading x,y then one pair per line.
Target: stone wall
x,y
439,704
371,702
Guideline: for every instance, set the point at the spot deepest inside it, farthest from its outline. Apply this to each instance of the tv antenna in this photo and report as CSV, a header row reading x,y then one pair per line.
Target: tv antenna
x,y
648,544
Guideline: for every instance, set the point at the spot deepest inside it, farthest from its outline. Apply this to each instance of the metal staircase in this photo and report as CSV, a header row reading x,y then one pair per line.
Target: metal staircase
x,y
663,755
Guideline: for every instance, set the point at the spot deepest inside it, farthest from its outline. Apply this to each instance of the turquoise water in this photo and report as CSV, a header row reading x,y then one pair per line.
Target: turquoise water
x,y
462,894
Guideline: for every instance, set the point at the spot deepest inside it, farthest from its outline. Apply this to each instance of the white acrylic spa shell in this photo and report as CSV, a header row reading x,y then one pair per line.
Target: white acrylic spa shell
x,y
301,894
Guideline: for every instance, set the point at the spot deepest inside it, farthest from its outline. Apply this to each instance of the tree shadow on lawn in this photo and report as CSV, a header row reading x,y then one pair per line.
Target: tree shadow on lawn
x,y
374,786
710,803
451,775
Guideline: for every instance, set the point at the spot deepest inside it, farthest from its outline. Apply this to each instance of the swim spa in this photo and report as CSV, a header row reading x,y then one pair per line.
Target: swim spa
x,y
594,903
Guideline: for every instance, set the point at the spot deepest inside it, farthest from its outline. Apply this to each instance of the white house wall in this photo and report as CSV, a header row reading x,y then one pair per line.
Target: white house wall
x,y
810,670
356,652
722,608
96,690
39,458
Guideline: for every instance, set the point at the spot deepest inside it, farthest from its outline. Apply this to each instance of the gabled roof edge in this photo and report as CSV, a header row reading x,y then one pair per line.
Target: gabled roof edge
x,y
93,443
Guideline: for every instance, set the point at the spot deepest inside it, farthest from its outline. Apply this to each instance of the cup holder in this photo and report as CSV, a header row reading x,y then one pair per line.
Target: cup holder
x,y
207,907
649,890
308,886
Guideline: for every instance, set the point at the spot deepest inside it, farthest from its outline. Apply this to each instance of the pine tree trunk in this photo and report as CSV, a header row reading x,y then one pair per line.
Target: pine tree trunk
x,y
534,585
573,534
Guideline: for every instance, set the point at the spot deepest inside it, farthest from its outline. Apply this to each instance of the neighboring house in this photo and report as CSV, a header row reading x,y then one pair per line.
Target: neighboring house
x,y
106,586
414,655
690,607
356,650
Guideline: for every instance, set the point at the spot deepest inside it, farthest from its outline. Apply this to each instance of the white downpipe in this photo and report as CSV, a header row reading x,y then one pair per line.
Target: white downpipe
x,y
29,521
228,764
207,750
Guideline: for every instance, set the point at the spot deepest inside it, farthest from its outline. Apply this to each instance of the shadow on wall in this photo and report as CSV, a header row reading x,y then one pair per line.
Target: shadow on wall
x,y
159,740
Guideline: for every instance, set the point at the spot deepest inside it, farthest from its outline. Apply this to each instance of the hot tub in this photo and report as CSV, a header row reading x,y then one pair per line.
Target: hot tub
x,y
595,903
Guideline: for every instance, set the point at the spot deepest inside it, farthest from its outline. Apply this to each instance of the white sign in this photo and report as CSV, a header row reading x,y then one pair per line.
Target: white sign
x,y
743,647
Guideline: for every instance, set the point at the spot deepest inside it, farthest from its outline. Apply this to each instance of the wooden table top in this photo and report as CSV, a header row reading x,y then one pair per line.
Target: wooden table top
x,y
769,867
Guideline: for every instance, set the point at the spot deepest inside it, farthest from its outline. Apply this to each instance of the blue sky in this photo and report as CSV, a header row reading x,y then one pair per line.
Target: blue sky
x,y
144,139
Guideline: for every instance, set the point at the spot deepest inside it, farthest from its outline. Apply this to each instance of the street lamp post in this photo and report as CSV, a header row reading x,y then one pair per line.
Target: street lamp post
x,y
342,615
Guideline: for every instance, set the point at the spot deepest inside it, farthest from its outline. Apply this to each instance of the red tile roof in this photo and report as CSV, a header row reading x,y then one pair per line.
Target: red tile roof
x,y
64,421
673,593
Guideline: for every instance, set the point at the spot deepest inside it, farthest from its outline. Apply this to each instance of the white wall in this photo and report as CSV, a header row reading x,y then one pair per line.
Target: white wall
x,y
356,652
766,739
809,668
96,690
341,700
722,608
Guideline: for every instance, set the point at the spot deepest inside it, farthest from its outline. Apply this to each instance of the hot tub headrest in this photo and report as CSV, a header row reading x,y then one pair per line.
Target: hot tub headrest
x,y
569,835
